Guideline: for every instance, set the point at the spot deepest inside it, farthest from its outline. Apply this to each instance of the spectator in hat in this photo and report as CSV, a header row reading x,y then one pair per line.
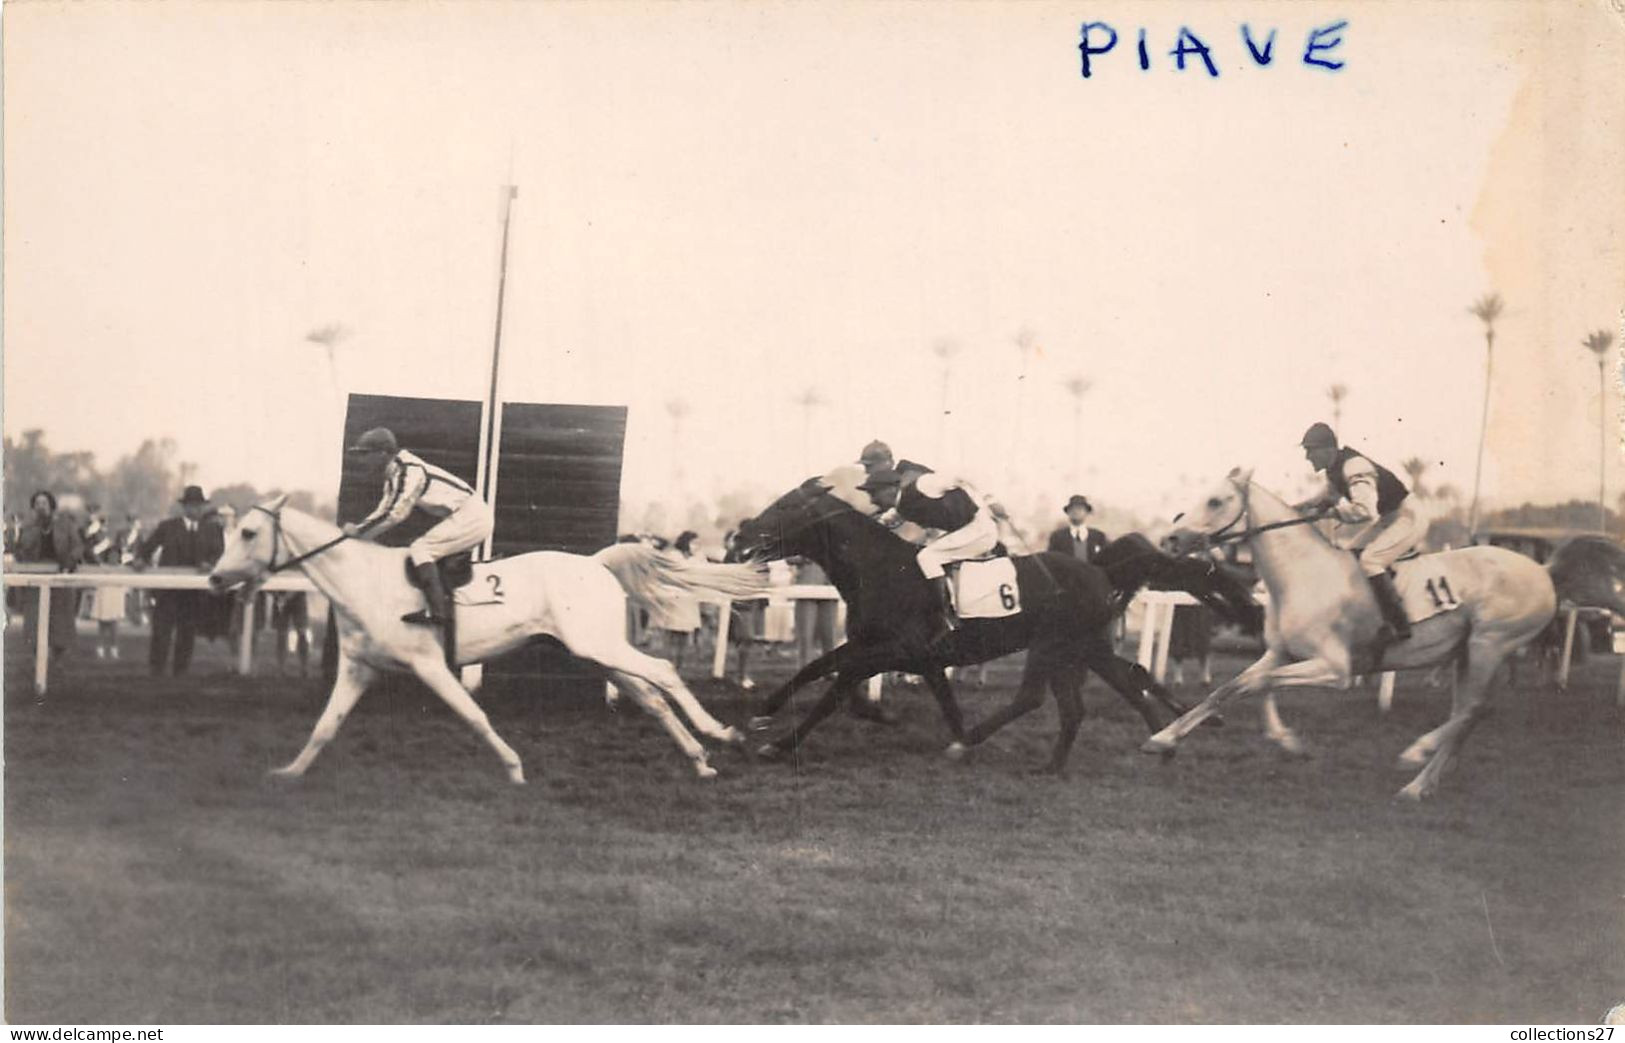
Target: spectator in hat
x,y
1076,537
186,541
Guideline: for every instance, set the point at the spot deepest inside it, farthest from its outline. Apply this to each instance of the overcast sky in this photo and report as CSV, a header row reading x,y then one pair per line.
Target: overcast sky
x,y
729,205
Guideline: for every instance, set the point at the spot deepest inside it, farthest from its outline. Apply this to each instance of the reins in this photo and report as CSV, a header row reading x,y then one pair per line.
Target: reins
x,y
276,543
1247,534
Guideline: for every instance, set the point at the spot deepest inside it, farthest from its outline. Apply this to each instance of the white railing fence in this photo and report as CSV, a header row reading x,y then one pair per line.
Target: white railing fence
x,y
1156,628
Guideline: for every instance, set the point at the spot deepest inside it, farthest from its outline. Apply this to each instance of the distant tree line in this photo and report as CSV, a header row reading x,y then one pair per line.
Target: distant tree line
x,y
145,483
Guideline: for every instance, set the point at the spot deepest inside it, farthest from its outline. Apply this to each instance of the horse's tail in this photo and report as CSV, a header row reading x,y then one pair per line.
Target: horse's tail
x,y
654,578
1589,571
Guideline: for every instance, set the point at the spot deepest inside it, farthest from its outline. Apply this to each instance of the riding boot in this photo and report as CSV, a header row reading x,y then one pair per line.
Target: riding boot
x,y
947,620
439,612
1393,609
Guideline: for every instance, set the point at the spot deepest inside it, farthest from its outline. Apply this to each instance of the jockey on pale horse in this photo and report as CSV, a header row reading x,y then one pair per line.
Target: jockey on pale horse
x,y
411,483
933,501
1377,520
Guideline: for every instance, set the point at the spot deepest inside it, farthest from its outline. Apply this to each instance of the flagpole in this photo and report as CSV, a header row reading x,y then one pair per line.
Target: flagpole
x,y
491,436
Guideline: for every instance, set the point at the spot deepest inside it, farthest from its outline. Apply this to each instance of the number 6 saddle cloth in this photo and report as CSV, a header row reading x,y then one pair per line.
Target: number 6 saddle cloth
x,y
1431,584
986,588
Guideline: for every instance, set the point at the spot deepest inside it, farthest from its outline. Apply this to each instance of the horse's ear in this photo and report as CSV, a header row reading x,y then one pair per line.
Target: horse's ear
x,y
1240,475
276,503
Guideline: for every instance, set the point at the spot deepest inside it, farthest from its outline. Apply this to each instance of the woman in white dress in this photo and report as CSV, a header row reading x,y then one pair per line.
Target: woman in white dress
x,y
107,604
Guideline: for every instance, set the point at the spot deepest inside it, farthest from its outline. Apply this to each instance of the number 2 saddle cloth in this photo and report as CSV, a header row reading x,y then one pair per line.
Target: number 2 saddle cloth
x,y
986,588
1431,584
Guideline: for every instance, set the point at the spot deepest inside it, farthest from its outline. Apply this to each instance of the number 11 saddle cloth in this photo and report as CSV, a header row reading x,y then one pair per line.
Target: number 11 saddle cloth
x,y
1431,584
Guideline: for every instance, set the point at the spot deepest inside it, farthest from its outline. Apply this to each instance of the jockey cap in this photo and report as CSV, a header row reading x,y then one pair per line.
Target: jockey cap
x,y
1319,435
876,452
378,440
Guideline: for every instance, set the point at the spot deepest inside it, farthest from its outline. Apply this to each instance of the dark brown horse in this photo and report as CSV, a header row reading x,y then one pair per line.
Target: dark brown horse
x,y
1067,610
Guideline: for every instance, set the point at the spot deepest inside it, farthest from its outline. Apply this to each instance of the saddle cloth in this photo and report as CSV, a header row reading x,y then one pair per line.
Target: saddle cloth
x,y
986,589
458,572
1431,584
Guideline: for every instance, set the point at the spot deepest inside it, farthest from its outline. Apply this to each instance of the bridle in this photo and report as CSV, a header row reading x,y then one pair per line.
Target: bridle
x,y
273,566
1224,535
806,511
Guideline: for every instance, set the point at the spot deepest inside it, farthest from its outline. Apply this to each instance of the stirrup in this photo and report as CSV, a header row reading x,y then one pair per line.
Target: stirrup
x,y
425,617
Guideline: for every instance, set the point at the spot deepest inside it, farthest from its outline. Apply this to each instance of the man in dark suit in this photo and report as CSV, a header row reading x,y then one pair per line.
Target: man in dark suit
x,y
1076,537
186,541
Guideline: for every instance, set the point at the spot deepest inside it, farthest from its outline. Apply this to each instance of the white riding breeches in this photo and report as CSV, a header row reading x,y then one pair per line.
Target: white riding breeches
x,y
972,541
463,529
1386,540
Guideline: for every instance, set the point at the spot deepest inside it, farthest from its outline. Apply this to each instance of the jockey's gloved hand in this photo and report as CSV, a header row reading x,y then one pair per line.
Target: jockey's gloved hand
x,y
351,529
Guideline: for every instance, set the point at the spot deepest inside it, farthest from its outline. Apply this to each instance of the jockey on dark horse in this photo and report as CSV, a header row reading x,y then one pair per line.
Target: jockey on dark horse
x,y
933,501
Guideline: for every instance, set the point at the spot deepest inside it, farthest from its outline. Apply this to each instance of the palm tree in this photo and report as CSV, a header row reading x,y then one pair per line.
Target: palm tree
x,y
1077,386
678,410
1337,393
809,399
1488,308
945,350
1026,342
1415,467
327,338
1599,343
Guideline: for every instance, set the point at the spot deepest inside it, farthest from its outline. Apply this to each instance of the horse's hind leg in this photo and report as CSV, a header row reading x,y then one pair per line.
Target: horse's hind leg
x,y
353,678
664,676
943,691
434,673
654,704
1276,730
1467,709
1136,686
609,649
1066,683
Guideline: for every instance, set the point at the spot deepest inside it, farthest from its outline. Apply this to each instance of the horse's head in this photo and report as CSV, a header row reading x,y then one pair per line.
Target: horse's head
x,y
250,546
1222,511
788,526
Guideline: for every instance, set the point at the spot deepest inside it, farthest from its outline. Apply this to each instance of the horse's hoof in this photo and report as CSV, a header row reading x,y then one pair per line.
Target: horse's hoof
x,y
284,774
956,751
759,724
1413,794
733,737
516,777
1292,746
1411,759
705,771
769,751
1163,748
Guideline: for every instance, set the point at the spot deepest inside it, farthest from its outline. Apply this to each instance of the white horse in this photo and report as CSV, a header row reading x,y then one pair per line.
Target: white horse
x,y
1321,621
578,600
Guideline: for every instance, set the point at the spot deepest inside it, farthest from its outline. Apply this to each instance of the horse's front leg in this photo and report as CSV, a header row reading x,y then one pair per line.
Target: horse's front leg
x,y
1029,697
432,670
943,690
1168,738
353,678
831,662
1258,677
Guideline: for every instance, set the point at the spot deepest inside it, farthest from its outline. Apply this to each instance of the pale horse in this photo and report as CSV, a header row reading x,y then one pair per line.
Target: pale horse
x,y
578,600
1321,619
